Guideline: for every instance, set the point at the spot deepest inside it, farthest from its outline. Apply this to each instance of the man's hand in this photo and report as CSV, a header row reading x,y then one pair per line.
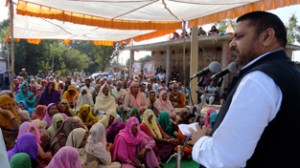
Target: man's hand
x,y
196,134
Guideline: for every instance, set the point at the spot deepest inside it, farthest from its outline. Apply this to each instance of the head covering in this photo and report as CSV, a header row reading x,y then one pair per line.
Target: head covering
x,y
207,118
163,105
52,97
153,127
135,110
105,120
105,103
39,112
89,116
53,128
76,137
113,130
96,143
68,110
26,143
24,104
165,122
66,157
28,127
40,125
4,120
130,139
139,100
20,160
48,118
68,96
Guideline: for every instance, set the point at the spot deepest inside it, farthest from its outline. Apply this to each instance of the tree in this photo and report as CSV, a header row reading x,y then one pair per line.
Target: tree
x,y
293,30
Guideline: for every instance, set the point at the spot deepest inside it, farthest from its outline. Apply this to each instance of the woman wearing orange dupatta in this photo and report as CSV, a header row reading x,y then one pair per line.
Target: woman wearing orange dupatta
x,y
9,121
71,95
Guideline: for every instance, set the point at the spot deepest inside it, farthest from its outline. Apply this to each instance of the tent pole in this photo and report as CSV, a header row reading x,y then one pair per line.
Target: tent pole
x,y
183,52
12,47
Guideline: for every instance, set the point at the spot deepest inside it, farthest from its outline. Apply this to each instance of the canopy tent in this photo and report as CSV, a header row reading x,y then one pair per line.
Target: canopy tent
x,y
26,27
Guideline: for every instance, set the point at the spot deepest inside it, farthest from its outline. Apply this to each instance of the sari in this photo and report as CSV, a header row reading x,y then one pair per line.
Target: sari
x,y
105,103
139,101
66,157
72,99
165,122
26,96
164,105
29,127
127,146
9,128
63,132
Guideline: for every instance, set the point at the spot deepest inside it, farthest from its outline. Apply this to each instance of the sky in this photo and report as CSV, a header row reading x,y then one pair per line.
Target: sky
x,y
284,13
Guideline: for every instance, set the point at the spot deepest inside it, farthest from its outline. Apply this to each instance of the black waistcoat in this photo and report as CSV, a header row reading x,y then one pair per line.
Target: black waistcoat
x,y
279,145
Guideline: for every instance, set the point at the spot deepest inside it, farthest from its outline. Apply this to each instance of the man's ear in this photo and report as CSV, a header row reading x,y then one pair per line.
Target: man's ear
x,y
268,37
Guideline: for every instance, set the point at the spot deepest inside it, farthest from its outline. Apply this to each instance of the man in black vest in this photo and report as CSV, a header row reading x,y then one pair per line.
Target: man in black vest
x,y
258,124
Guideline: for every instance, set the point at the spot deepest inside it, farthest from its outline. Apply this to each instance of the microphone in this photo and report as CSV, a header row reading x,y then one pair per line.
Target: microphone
x,y
213,67
232,67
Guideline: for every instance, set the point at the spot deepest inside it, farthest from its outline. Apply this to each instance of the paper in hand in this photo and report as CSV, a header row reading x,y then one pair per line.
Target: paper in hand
x,y
184,128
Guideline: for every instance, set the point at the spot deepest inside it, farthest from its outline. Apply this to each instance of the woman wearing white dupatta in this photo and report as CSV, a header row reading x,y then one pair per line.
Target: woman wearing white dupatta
x,y
104,101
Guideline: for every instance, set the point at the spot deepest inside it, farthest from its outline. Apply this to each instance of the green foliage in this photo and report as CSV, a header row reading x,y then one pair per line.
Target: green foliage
x,y
145,59
293,30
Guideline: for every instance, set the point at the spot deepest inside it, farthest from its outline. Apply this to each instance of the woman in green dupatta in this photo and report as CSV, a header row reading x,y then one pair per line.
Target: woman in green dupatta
x,y
165,122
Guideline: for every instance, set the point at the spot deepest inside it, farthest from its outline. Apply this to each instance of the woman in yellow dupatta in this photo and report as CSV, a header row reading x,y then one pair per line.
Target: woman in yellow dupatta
x,y
86,115
9,121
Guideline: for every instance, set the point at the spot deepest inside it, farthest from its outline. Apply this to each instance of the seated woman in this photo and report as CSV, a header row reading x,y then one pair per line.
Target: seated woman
x,y
165,122
108,119
63,132
133,147
28,144
164,142
9,121
26,96
20,160
164,104
28,127
66,157
98,154
77,139
23,111
64,107
84,97
209,111
86,115
49,95
39,112
51,111
113,130
135,99
134,112
57,121
71,95
104,102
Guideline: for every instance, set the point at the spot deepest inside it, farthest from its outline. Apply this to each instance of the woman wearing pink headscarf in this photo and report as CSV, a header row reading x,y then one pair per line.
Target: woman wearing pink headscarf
x,y
135,99
133,147
39,112
164,104
66,157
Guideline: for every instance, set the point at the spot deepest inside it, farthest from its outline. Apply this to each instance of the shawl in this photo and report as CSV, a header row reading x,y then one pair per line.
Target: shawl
x,y
20,160
53,128
85,99
75,139
63,132
96,143
105,119
5,122
39,112
140,99
135,111
105,103
48,117
72,99
113,130
66,157
163,105
68,110
28,127
52,97
165,122
153,127
90,117
212,119
26,143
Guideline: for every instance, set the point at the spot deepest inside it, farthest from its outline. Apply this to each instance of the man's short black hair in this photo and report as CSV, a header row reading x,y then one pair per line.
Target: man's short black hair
x,y
263,20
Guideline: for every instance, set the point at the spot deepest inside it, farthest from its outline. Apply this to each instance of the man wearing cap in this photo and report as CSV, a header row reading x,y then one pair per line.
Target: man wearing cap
x,y
88,86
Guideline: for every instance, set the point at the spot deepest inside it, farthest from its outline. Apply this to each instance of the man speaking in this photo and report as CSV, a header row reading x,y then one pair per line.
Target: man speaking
x,y
258,124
